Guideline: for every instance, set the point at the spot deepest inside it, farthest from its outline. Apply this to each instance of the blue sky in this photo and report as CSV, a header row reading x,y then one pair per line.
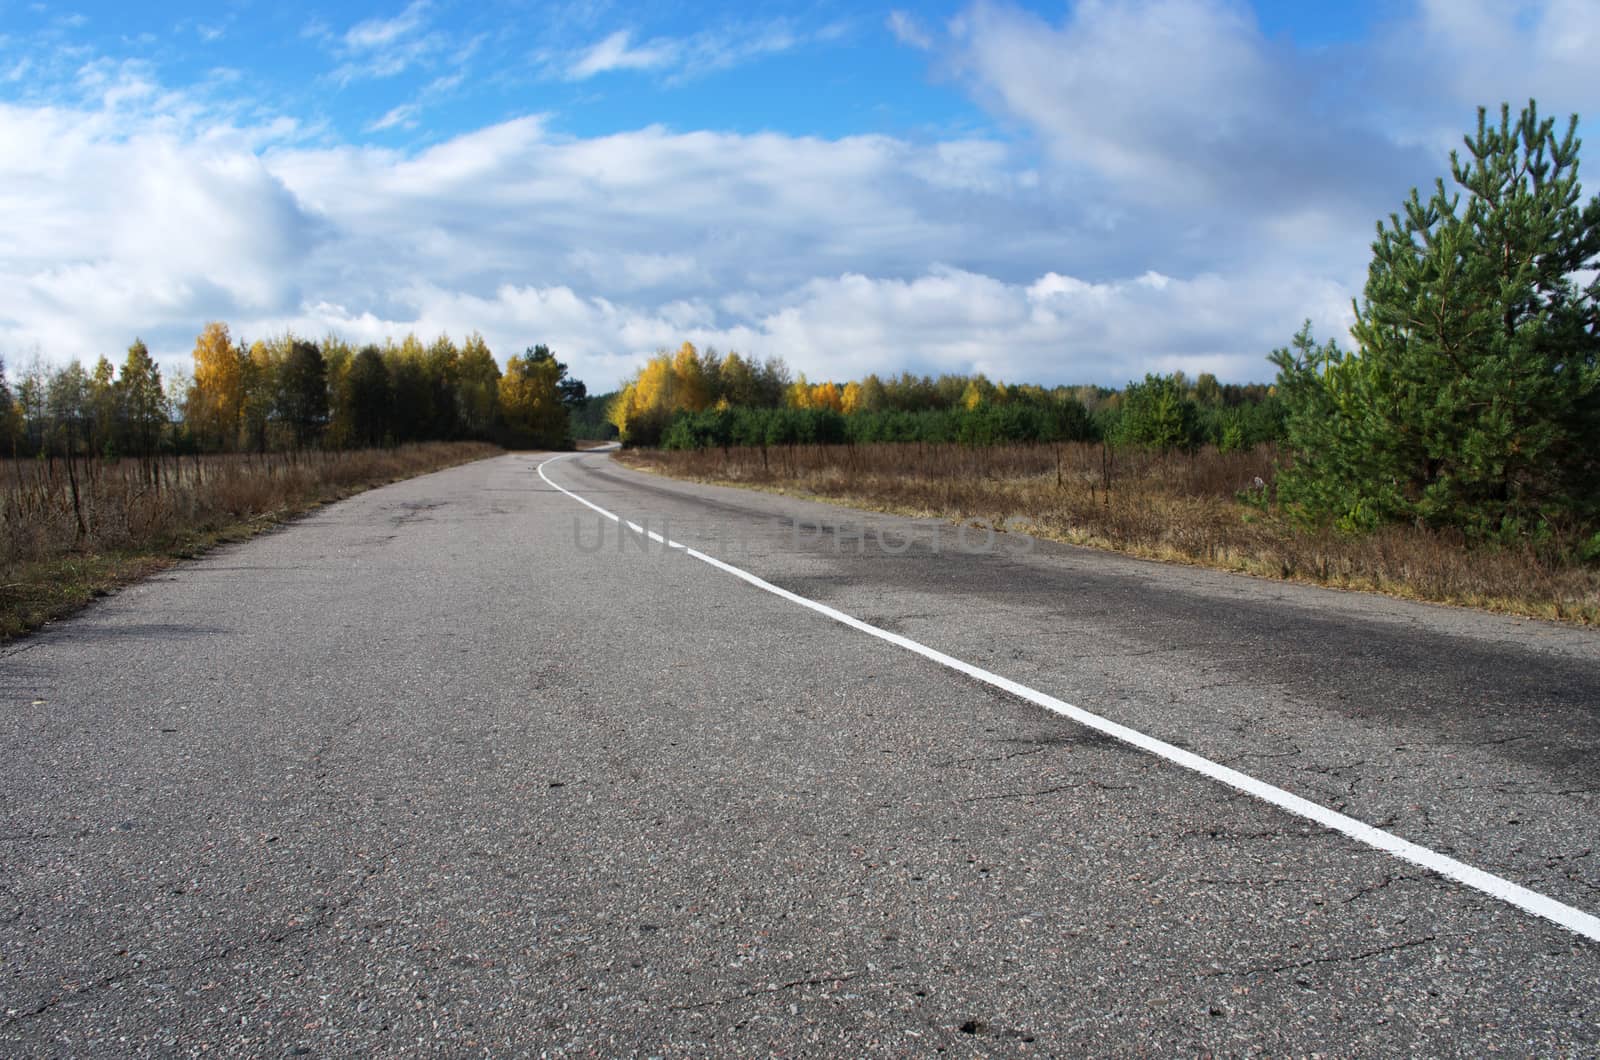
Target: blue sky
x,y
1061,192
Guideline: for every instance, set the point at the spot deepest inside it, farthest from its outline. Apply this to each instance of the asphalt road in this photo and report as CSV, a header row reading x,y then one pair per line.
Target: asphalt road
x,y
455,767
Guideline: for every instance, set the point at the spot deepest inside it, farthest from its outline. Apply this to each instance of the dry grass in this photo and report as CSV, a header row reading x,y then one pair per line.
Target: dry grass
x,y
1175,507
71,532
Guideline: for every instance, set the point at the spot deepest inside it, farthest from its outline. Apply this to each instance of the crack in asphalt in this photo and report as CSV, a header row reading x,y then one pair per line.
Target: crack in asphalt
x,y
1261,754
1497,741
1388,878
1340,767
1049,791
994,758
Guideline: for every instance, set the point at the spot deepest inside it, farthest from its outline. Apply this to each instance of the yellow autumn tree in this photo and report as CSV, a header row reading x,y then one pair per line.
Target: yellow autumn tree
x,y
217,396
640,409
802,394
826,396
530,404
798,395
478,387
668,383
258,384
691,388
850,398
337,358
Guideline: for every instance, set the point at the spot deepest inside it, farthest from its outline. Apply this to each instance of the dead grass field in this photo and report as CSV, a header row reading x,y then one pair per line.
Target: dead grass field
x,y
1209,508
72,531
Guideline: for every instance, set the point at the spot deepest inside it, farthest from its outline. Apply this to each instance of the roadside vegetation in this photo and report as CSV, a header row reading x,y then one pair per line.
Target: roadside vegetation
x,y
114,472
65,542
1204,507
1452,455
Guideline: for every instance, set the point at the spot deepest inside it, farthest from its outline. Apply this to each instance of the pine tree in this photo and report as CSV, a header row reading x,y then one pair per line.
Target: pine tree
x,y
443,365
366,403
1158,414
144,403
1342,471
411,391
302,393
1473,399
103,409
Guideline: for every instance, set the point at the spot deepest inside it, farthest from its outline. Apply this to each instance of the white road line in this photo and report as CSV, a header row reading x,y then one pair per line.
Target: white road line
x,y
1569,917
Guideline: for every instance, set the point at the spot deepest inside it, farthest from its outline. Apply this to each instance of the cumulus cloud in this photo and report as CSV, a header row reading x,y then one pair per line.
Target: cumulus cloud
x,y
607,248
1185,104
1182,105
1055,329
1437,62
728,212
1186,192
138,233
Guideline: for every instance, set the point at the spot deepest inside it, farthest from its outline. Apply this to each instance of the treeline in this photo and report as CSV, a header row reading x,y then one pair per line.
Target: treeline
x,y
288,393
591,419
694,399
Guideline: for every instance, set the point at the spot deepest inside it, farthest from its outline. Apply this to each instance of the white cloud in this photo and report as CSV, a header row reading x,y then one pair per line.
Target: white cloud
x,y
377,33
907,30
1194,194
1435,64
404,116
634,272
607,249
1054,329
1182,105
130,234
685,58
617,53
729,48
383,47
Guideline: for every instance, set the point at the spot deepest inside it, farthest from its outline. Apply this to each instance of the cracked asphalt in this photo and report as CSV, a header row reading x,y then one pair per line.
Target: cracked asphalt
x,y
451,767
